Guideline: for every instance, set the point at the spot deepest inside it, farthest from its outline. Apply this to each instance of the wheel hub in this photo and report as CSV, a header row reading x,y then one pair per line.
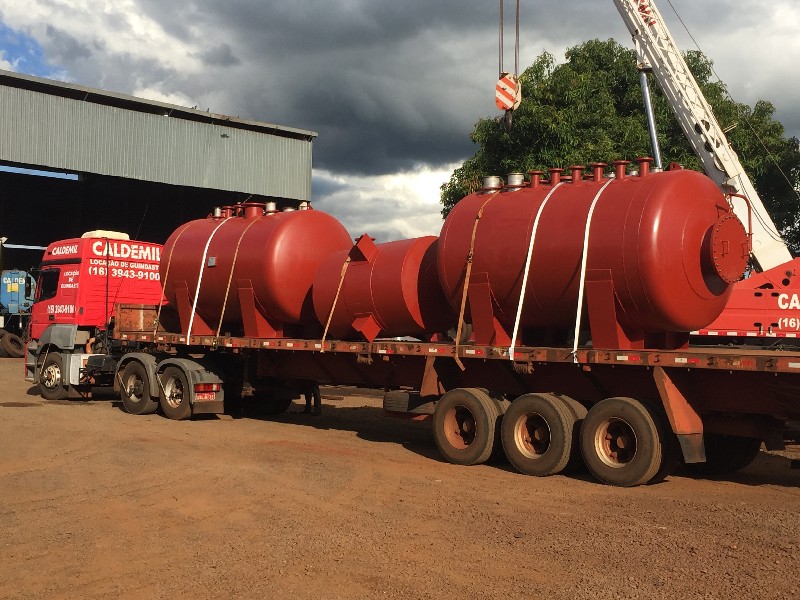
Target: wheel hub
x,y
173,392
533,435
134,388
460,427
616,443
51,376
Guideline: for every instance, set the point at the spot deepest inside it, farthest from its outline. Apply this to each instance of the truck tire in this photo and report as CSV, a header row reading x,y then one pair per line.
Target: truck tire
x,y
726,454
465,426
537,434
135,390
621,442
51,378
13,345
174,394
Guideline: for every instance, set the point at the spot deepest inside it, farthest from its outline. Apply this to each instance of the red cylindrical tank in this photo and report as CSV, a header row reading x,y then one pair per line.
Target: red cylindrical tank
x,y
389,289
276,255
668,241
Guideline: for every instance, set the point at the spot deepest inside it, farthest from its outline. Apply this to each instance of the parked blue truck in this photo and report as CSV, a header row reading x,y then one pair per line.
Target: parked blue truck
x,y
17,290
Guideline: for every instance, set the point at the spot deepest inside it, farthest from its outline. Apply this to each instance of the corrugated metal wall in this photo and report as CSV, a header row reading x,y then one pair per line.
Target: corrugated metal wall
x,y
56,132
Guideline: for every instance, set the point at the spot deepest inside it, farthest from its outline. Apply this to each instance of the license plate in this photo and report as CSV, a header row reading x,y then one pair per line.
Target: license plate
x,y
205,395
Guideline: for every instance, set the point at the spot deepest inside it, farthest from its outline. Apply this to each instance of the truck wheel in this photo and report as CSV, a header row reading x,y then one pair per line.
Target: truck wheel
x,y
13,345
726,454
135,390
51,378
537,434
174,394
621,442
464,426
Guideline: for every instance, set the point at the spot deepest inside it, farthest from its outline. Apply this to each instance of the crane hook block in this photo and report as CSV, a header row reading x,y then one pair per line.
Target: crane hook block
x,y
508,92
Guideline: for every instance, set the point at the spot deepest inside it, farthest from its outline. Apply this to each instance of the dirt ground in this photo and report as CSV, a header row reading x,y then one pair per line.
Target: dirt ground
x,y
96,503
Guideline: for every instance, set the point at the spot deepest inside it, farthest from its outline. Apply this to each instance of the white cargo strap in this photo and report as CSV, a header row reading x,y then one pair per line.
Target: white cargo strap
x,y
230,278
583,269
527,269
200,276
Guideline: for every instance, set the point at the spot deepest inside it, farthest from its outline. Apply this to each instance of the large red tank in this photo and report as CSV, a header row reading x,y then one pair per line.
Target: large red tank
x,y
258,264
389,289
665,248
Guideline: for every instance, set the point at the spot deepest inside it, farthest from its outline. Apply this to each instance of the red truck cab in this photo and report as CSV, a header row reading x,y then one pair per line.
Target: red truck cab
x,y
81,279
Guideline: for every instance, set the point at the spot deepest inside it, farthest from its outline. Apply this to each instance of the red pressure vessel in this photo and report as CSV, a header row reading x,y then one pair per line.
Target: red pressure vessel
x,y
276,255
669,242
390,289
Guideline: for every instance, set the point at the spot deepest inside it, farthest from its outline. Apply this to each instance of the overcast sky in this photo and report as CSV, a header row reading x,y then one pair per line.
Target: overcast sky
x,y
393,87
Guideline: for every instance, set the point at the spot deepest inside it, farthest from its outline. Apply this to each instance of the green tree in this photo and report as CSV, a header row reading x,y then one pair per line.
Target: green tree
x,y
590,108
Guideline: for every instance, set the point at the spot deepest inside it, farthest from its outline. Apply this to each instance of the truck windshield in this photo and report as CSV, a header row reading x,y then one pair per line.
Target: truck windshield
x,y
48,284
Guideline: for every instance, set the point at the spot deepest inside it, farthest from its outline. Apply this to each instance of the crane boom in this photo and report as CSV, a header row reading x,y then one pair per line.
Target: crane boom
x,y
657,51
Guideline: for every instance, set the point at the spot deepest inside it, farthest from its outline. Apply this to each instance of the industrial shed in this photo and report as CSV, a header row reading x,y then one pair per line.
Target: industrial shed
x,y
142,166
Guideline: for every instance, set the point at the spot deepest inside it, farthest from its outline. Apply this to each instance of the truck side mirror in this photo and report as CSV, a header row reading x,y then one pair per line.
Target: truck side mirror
x,y
30,286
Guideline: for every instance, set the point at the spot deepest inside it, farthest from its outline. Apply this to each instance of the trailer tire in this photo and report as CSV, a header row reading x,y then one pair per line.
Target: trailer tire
x,y
13,345
726,454
174,394
51,378
537,434
465,426
575,463
621,442
134,390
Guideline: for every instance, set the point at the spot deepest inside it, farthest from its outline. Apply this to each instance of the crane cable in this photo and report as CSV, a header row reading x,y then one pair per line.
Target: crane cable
x,y
747,122
502,42
508,93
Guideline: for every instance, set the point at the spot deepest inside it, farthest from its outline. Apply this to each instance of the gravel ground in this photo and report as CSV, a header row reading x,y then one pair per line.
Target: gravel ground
x,y
96,503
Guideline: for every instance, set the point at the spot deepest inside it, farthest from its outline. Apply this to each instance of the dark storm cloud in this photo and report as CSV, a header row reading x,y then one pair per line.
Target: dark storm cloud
x,y
322,187
219,56
66,48
385,84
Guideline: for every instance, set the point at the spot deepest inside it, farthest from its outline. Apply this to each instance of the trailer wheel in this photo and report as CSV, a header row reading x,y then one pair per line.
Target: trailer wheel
x,y
537,434
174,394
579,410
51,378
465,425
13,345
726,454
621,442
135,390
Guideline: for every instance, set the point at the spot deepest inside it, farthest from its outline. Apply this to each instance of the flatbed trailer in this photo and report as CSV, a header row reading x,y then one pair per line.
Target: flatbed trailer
x,y
632,415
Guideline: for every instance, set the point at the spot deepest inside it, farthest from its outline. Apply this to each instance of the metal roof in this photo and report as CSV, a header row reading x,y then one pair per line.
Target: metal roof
x,y
63,126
